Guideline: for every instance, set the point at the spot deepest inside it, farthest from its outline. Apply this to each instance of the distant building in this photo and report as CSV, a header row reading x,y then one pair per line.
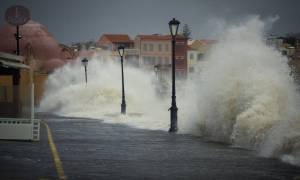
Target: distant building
x,y
113,41
156,50
67,52
298,43
287,46
274,41
196,52
192,55
294,52
296,55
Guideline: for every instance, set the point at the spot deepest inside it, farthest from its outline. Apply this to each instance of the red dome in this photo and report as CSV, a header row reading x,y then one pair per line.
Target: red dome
x,y
43,44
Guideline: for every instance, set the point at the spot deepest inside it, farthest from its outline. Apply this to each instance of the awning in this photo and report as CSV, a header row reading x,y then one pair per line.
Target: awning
x,y
12,61
14,65
11,57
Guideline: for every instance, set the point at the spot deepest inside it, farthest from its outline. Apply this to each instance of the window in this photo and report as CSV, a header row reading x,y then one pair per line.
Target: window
x,y
284,53
150,47
180,73
148,60
191,69
159,47
192,56
145,47
159,61
179,57
167,60
199,57
179,43
153,61
167,47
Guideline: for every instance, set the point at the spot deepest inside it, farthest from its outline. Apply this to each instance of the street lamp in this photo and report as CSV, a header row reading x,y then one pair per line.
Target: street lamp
x,y
156,67
85,63
173,25
123,104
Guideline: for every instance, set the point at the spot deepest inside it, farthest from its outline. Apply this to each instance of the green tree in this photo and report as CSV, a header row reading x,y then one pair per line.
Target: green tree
x,y
186,31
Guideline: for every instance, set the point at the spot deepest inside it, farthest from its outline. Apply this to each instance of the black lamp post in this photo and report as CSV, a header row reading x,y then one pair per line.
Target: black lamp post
x,y
18,37
123,105
156,67
85,63
173,25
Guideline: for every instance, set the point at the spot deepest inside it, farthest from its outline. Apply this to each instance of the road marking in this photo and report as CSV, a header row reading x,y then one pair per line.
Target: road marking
x,y
57,161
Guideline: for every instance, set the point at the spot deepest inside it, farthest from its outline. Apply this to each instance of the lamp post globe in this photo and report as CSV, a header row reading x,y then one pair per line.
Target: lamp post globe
x,y
173,26
121,50
85,63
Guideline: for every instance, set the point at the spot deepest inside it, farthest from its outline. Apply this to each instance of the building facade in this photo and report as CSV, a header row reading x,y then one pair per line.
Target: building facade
x,y
196,51
113,41
156,50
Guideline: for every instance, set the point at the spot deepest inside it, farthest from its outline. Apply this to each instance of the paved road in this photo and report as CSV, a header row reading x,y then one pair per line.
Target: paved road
x,y
91,149
27,160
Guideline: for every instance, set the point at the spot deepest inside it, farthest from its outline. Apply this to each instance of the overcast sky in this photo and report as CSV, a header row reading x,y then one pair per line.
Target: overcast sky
x,y
82,20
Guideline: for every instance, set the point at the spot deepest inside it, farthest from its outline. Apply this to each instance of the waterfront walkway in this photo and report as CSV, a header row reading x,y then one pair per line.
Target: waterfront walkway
x,y
90,149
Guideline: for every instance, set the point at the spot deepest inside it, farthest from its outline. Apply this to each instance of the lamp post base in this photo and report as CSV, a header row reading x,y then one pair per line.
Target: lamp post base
x,y
123,108
173,130
173,112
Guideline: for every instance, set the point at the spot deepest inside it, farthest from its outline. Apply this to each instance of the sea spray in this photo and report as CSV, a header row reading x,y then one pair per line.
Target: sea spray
x,y
67,94
244,95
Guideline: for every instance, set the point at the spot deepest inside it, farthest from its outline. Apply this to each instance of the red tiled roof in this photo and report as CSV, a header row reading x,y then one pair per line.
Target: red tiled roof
x,y
117,38
208,41
158,37
190,48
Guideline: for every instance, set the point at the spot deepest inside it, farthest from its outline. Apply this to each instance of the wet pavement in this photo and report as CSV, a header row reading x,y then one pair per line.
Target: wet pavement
x,y
26,159
91,149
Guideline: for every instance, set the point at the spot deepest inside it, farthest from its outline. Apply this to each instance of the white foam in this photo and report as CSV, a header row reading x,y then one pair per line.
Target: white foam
x,y
244,96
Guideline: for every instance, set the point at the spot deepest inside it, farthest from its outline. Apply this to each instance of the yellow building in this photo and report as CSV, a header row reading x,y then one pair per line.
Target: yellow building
x,y
17,120
38,47
16,78
196,52
15,91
